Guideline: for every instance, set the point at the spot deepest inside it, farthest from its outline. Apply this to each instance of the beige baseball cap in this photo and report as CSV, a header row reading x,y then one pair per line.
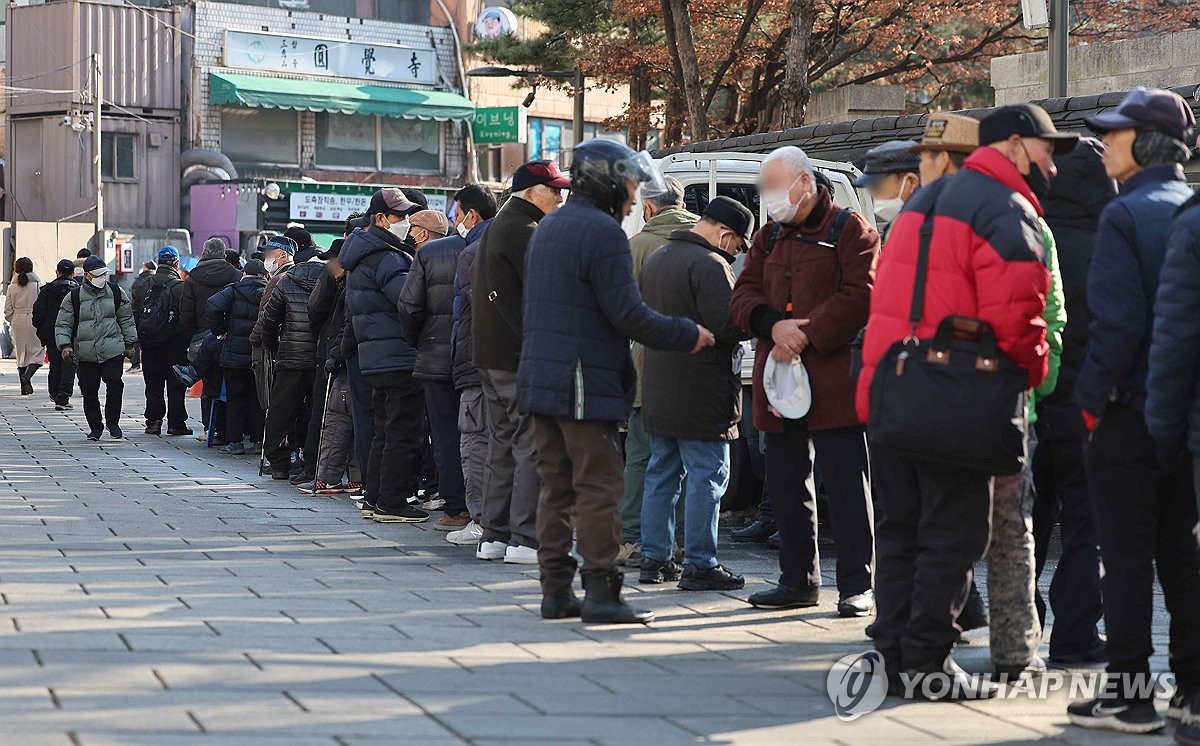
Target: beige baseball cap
x,y
954,133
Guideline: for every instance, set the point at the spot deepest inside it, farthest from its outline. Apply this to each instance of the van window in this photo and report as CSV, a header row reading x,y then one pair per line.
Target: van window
x,y
695,197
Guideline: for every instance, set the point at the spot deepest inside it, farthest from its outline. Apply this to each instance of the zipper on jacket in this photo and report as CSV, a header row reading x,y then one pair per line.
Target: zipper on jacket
x,y
578,389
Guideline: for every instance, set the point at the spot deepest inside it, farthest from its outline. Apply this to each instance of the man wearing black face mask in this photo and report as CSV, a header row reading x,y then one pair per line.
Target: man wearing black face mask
x,y
1145,508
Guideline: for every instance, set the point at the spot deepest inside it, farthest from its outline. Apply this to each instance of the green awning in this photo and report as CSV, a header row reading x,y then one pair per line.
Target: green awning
x,y
343,98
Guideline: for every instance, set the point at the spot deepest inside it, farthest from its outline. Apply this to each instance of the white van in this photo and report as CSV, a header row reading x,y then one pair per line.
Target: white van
x,y
736,175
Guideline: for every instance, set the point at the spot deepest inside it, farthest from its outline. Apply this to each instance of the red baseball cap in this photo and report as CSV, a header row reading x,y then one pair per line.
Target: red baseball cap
x,y
539,172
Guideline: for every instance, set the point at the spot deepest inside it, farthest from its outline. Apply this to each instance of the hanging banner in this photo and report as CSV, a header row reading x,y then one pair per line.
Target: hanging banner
x,y
282,53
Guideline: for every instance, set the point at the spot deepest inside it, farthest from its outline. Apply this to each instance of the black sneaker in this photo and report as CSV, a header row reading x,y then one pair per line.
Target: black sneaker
x,y
710,579
94,435
280,474
154,427
115,432
786,597
858,605
774,541
655,572
974,614
1120,715
1096,654
1188,734
302,477
63,407
183,430
404,514
757,532
367,509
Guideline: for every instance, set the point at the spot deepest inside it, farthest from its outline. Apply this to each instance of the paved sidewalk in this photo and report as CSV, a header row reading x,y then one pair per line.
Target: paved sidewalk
x,y
155,592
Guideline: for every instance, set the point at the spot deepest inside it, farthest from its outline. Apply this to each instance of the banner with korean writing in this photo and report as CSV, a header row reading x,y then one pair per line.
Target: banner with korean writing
x,y
334,208
499,124
252,50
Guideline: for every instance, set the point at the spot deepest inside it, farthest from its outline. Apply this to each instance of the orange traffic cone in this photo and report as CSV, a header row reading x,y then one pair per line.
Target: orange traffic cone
x,y
195,391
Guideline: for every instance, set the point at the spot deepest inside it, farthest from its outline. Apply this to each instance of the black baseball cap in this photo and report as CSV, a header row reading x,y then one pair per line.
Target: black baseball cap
x,y
1147,108
65,267
732,214
892,157
335,248
1025,120
391,201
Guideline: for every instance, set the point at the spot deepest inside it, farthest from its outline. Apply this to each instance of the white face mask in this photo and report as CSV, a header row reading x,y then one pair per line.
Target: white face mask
x,y
886,210
98,281
269,265
399,230
462,229
779,204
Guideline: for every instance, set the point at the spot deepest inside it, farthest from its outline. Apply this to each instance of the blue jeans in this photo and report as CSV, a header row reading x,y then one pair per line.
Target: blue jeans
x,y
705,464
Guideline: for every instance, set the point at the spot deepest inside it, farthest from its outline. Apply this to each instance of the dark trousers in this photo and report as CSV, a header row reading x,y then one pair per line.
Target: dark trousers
x,y
135,358
61,379
1061,496
243,415
316,415
441,404
581,471
156,371
362,413
90,376
1144,517
934,526
399,406
289,390
842,458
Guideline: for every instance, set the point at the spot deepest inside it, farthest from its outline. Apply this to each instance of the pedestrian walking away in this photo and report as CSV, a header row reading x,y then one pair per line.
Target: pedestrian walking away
x,y
691,276
1144,508
804,293
576,375
95,329
61,379
18,312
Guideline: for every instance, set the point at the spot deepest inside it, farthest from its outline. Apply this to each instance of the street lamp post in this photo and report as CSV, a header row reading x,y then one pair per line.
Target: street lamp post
x,y
576,77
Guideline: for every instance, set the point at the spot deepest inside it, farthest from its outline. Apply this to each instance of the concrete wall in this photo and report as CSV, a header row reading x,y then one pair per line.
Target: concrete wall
x,y
1160,61
855,102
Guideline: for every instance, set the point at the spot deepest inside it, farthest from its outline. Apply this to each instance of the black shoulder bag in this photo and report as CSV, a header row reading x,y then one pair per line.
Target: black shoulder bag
x,y
955,399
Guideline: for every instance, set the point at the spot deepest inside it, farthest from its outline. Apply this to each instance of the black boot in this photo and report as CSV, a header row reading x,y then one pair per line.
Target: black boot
x,y
564,605
602,602
26,386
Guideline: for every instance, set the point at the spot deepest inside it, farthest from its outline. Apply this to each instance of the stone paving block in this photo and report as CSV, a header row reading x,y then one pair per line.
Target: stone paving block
x,y
632,729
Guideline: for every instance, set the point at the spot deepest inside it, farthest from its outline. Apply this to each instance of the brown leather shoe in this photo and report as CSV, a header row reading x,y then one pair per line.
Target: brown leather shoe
x,y
452,522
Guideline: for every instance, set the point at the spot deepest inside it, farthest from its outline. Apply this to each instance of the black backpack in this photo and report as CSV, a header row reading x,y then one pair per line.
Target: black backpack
x,y
157,319
75,301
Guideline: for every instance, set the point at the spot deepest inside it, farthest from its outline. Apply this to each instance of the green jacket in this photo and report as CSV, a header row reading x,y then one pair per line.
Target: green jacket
x,y
1055,317
104,331
657,232
653,236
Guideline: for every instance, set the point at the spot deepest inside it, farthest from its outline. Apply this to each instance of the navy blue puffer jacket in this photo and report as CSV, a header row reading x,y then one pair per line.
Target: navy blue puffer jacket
x,y
233,312
377,266
581,308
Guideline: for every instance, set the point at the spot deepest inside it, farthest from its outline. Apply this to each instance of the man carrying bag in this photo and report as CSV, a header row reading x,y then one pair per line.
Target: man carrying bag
x,y
960,294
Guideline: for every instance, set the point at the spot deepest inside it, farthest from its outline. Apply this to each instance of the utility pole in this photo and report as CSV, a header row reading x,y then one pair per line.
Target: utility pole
x,y
97,147
578,85
1060,18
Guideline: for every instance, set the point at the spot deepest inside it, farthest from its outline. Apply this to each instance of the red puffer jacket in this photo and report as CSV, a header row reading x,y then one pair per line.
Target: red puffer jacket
x,y
985,262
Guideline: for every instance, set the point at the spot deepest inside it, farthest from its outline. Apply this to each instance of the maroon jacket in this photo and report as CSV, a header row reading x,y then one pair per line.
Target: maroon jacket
x,y
829,286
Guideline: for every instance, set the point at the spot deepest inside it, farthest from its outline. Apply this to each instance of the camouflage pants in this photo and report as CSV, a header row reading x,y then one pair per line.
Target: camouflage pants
x,y
1015,631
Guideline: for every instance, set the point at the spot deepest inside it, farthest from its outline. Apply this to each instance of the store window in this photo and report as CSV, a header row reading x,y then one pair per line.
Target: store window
x,y
553,139
118,160
347,141
411,145
269,136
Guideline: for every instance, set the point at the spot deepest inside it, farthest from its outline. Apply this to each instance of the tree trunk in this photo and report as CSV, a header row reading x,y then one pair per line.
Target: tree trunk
x,y
795,91
678,24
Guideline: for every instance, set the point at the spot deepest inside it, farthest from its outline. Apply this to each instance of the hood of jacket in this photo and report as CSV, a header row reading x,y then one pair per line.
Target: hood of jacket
x,y
1082,188
362,243
668,221
164,274
214,274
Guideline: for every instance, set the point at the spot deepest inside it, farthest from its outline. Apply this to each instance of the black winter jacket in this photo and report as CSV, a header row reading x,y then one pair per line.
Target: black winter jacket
x,y
285,326
686,396
163,275
581,308
209,276
499,276
426,306
320,309
377,265
45,308
466,375
233,312
337,326
1077,197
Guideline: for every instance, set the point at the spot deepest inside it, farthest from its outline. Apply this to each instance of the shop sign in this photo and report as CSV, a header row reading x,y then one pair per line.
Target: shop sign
x,y
499,124
280,53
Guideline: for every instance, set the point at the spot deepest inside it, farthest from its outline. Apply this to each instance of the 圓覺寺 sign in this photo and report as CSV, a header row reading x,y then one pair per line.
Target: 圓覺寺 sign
x,y
499,124
282,53
333,208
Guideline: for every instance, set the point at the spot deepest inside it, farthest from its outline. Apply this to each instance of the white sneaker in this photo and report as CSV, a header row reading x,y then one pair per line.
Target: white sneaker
x,y
490,550
472,533
516,554
432,504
